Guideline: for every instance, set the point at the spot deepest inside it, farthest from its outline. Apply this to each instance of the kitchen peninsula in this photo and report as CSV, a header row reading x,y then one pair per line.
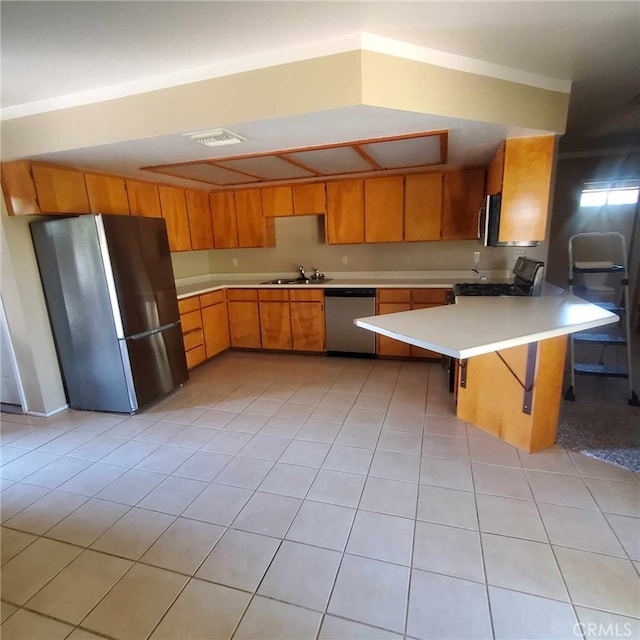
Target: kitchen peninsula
x,y
512,354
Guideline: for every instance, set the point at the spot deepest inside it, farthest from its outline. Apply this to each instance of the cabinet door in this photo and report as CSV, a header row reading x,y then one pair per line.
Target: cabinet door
x,y
495,172
307,326
223,219
389,346
215,325
384,209
423,207
107,194
345,212
528,166
275,325
174,211
244,324
252,229
463,196
418,352
199,215
277,201
144,199
60,190
18,188
309,199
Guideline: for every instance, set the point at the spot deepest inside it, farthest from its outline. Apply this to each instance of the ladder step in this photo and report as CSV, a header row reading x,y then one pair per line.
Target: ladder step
x,y
589,369
613,269
599,338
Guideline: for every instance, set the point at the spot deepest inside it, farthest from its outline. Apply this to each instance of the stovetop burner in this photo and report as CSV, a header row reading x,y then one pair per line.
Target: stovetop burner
x,y
485,289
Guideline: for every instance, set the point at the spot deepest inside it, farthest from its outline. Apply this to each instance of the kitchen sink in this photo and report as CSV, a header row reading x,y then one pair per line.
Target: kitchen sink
x,y
296,281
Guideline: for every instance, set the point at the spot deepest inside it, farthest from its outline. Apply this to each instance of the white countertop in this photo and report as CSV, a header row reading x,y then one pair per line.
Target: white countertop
x,y
477,325
434,279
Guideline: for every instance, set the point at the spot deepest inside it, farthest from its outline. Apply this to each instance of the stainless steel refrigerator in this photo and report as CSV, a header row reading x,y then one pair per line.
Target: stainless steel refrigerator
x,y
109,286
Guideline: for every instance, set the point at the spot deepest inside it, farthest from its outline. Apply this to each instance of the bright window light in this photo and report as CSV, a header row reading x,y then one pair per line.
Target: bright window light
x,y
601,194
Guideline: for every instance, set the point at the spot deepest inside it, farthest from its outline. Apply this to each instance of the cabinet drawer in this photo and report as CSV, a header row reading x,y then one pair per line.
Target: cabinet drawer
x,y
195,357
242,294
394,295
188,304
191,321
430,296
207,299
193,339
273,295
306,295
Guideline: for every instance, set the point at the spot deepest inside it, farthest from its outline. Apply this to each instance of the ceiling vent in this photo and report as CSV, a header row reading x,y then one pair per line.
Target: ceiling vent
x,y
215,137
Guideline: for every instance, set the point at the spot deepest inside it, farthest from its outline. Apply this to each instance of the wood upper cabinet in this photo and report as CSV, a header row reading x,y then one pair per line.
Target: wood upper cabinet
x,y
199,215
107,194
526,184
309,199
384,209
144,199
495,172
244,318
60,190
215,326
345,212
307,319
174,211
463,196
18,188
254,230
223,219
423,207
277,201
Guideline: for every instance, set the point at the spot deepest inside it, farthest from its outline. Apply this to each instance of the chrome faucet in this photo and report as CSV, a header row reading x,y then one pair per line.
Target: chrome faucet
x,y
303,275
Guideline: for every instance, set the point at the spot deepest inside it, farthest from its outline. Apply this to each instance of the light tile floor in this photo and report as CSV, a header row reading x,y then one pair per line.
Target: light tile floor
x,y
292,497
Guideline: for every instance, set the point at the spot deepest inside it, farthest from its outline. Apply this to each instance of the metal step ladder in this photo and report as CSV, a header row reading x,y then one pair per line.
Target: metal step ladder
x,y
605,340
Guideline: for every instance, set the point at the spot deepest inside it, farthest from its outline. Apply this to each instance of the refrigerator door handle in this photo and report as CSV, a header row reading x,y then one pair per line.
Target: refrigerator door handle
x,y
140,336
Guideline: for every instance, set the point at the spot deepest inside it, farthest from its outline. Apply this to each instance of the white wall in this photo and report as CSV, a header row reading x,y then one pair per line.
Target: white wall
x,y
27,317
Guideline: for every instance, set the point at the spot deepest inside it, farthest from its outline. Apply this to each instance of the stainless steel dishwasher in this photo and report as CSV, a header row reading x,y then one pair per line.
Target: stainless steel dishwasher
x,y
342,307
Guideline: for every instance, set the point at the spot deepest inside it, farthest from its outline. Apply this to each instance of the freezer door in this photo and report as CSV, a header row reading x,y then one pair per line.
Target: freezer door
x,y
138,259
155,364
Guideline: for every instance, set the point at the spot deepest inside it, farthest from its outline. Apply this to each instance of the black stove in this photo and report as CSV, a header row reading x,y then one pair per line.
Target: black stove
x,y
527,281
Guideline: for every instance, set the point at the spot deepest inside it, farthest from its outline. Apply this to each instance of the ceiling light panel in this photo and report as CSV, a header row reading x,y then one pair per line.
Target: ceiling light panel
x,y
332,160
267,168
405,152
205,172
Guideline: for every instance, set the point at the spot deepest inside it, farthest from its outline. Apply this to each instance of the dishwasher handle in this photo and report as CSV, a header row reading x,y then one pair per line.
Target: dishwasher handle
x,y
349,293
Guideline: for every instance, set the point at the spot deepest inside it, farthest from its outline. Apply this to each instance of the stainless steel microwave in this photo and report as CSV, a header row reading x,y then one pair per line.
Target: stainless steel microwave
x,y
489,225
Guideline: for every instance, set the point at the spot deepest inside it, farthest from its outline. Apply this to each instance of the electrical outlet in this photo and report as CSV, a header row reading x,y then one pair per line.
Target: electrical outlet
x,y
345,259
476,257
517,253
234,262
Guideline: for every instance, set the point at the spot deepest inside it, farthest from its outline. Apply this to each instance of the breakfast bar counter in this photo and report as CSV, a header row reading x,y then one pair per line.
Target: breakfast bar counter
x,y
511,353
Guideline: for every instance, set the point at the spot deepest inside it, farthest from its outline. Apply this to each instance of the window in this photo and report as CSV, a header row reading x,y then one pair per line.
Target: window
x,y
600,194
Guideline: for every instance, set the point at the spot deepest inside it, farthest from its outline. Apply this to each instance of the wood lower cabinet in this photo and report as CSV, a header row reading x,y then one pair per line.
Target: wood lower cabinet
x,y
396,300
174,211
192,334
107,194
199,215
215,322
244,318
423,207
60,190
463,197
307,320
275,319
384,209
344,221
